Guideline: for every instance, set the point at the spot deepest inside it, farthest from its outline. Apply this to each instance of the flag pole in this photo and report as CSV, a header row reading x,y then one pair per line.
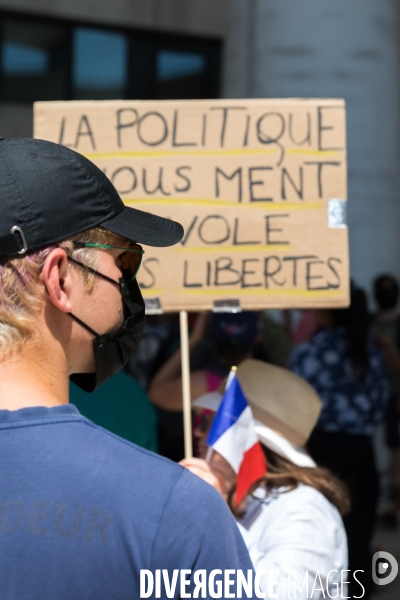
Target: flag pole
x,y
187,405
231,375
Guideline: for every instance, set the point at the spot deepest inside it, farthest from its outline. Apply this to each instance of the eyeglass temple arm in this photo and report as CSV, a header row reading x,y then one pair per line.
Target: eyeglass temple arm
x,y
92,270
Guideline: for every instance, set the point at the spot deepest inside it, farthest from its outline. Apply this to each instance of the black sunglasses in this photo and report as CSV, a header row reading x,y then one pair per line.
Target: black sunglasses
x,y
130,260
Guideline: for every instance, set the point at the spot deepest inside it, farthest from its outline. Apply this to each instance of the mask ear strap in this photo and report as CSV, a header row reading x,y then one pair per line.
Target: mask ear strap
x,y
89,329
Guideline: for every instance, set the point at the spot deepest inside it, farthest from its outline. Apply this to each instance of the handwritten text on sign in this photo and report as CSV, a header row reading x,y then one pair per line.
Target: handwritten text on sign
x,y
250,181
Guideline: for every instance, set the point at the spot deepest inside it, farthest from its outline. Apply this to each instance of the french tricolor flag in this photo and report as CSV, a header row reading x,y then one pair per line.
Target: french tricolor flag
x,y
233,436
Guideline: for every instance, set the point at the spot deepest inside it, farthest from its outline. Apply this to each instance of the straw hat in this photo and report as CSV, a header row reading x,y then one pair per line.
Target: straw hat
x,y
285,408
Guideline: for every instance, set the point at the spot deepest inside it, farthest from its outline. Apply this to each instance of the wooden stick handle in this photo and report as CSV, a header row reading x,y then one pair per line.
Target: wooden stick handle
x,y
187,405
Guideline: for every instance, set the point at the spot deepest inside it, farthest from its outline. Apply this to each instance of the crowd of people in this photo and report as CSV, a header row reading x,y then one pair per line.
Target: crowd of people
x,y
350,359
84,512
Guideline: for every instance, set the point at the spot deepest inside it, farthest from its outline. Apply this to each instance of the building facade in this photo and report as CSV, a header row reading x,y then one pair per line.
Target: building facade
x,y
100,49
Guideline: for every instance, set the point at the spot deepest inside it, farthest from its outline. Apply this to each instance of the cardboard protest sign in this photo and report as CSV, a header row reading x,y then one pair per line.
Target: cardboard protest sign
x,y
259,186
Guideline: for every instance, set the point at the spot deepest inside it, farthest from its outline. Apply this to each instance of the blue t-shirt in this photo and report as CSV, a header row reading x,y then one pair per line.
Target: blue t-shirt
x,y
82,511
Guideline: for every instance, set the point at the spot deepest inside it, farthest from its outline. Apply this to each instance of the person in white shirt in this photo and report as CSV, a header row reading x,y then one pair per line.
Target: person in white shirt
x,y
291,519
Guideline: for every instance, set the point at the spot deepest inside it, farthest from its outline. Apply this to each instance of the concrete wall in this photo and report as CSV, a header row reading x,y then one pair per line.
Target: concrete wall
x,y
202,17
292,48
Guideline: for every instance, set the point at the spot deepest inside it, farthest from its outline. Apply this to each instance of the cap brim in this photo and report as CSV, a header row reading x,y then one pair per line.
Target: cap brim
x,y
209,401
145,228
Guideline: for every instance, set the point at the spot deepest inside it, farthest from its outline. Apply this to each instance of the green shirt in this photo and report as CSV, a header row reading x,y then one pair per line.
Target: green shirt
x,y
120,405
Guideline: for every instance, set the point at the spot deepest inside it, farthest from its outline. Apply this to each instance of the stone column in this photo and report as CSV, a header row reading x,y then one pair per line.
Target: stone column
x,y
337,49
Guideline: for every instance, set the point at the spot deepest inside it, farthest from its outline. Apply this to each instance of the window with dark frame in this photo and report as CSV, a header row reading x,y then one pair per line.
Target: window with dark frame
x,y
46,59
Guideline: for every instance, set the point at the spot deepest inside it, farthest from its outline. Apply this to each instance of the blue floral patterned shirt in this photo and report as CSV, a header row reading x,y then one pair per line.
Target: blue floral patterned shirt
x,y
348,406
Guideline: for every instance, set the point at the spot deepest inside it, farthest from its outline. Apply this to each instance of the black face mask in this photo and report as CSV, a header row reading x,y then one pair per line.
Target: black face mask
x,y
113,350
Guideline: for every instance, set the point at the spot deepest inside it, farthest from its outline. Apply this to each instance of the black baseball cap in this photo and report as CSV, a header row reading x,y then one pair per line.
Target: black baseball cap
x,y
49,193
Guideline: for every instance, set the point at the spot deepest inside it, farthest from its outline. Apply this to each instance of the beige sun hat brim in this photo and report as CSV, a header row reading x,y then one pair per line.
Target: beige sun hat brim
x,y
280,400
274,441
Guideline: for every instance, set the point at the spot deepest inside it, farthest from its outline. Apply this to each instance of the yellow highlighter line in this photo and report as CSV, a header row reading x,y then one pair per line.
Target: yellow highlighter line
x,y
169,153
221,152
225,203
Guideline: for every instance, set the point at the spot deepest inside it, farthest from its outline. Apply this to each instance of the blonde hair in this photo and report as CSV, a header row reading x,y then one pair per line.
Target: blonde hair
x,y
20,300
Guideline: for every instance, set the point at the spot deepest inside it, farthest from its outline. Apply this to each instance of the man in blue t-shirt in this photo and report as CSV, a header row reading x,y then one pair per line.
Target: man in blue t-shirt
x,y
84,513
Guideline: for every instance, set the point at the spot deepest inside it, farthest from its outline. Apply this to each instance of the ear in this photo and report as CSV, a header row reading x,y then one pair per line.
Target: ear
x,y
54,274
